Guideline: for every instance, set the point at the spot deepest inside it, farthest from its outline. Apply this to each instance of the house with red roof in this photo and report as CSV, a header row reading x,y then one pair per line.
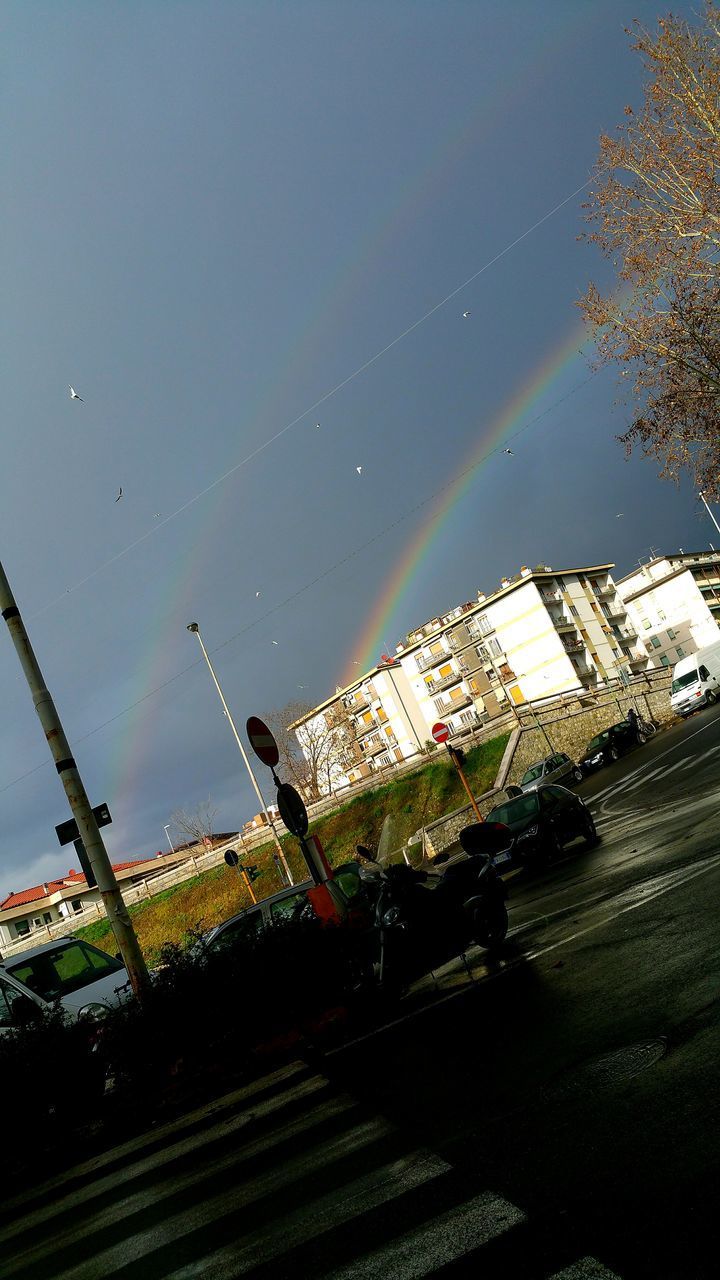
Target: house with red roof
x,y
23,912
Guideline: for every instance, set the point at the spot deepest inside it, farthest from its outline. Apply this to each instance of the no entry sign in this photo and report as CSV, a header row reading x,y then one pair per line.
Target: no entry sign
x,y
440,732
262,742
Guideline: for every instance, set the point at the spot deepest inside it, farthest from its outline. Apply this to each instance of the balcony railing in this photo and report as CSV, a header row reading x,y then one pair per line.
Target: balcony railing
x,y
375,745
357,701
425,661
573,644
437,686
363,727
454,704
563,623
615,611
603,593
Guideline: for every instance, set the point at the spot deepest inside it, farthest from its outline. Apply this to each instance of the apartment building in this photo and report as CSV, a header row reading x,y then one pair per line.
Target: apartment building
x,y
674,603
542,633
379,724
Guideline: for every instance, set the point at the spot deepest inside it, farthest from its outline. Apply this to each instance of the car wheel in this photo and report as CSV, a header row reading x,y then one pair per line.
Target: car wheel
x,y
614,753
578,775
491,929
711,698
589,830
642,738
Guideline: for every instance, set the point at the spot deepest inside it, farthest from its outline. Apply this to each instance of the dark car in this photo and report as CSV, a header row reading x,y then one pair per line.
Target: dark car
x,y
542,821
557,768
611,744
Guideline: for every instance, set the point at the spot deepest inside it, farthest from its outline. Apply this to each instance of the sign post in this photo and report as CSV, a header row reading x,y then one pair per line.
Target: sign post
x,y
244,872
290,803
441,732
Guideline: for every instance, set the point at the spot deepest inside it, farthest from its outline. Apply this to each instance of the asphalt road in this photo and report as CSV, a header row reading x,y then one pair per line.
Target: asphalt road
x,y
552,1115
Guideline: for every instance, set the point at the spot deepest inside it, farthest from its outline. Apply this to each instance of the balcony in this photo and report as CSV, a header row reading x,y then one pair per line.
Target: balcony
x,y
550,597
454,704
562,622
426,661
605,593
573,644
363,727
614,612
357,701
437,686
374,745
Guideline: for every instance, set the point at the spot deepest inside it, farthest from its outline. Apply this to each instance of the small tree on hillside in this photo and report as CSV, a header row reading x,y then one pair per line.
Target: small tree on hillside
x,y
327,738
656,214
195,824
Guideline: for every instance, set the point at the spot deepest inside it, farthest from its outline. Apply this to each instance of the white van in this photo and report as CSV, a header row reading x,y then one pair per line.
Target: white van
x,y
696,680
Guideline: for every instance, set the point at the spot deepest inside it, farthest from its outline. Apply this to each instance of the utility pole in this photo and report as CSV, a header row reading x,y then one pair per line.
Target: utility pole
x,y
117,912
280,859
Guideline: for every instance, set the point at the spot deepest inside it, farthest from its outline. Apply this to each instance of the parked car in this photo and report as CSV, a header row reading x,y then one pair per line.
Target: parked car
x,y
611,744
542,821
558,768
83,979
304,901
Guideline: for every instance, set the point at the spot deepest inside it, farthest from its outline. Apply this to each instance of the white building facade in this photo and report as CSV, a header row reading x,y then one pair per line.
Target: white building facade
x,y
674,604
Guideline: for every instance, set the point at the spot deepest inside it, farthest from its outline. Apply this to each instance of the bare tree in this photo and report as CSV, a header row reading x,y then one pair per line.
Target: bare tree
x,y
195,824
326,738
656,216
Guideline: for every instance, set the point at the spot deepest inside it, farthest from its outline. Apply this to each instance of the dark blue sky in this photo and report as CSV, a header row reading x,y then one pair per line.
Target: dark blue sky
x,y
214,214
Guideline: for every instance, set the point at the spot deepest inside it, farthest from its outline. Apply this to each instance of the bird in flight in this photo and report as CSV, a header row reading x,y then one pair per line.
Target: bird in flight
x,y
509,452
157,513
119,494
619,515
466,315
359,470
257,595
317,424
74,395
274,642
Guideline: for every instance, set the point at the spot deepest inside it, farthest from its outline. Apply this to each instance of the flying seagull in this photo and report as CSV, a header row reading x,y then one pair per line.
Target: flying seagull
x,y
509,452
359,470
274,642
257,595
157,515
619,515
466,315
119,494
74,395
317,424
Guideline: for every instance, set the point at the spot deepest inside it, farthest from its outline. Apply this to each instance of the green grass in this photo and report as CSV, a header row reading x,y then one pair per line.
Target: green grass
x,y
413,801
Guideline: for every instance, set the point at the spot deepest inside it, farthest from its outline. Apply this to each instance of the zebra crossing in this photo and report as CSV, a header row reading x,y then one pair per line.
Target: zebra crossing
x,y
654,775
286,1177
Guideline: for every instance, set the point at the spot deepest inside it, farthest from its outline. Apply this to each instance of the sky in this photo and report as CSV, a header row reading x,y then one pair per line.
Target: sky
x,y
246,233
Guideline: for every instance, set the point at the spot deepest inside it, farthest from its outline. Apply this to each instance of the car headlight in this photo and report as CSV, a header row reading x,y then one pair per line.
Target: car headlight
x,y
528,835
596,759
94,1012
391,916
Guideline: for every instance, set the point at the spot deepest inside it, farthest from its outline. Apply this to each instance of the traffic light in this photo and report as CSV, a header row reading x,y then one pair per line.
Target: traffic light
x,y
252,873
458,756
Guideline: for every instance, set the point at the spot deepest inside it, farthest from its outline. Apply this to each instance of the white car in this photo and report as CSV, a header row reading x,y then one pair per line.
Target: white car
x,y
82,979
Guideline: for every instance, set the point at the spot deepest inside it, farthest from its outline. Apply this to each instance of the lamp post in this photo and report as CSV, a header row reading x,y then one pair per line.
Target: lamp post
x,y
166,829
703,499
280,859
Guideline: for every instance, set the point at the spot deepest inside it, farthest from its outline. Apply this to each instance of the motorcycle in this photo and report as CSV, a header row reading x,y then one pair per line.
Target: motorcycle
x,y
424,919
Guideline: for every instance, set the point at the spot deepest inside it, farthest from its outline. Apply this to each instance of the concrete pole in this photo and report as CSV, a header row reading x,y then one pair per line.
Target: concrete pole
x,y
702,497
280,859
80,806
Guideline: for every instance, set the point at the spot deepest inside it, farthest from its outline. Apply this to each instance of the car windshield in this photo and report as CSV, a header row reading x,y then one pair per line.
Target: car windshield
x,y
598,741
516,810
690,677
533,773
55,973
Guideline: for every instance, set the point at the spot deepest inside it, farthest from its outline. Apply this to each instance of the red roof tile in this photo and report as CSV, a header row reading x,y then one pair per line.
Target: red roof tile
x,y
73,877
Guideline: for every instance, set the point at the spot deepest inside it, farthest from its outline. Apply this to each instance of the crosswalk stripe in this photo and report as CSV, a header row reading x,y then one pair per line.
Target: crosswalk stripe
x,y
445,1238
585,1269
378,1187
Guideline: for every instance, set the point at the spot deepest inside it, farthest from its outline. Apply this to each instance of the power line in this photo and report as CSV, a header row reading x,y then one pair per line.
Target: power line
x,y
326,573
254,453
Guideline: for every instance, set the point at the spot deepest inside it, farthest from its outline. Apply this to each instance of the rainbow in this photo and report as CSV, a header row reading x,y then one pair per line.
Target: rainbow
x,y
445,166
385,613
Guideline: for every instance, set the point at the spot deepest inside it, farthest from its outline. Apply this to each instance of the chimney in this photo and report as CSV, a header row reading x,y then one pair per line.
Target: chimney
x,y
504,582
481,596
524,571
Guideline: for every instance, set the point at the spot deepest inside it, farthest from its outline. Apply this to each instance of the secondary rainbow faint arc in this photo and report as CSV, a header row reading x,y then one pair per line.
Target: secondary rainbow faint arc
x,y
386,609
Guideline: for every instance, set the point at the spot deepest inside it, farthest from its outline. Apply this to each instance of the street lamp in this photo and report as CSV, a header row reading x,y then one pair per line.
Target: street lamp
x,y
280,859
166,829
703,499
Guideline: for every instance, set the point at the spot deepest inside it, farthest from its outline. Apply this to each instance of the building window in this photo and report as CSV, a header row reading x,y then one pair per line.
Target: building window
x,y
22,927
680,651
445,670
655,642
482,653
671,633
484,624
646,625
439,705
467,717
664,660
47,917
76,905
494,647
574,611
382,760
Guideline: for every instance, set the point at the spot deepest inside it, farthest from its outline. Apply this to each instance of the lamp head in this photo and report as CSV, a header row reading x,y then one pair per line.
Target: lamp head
x,y
193,626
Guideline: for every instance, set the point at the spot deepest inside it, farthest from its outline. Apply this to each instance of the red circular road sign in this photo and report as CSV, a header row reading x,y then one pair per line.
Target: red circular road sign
x,y
262,742
440,732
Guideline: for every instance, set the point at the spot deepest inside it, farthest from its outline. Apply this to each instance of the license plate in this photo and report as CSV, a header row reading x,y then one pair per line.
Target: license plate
x,y
501,857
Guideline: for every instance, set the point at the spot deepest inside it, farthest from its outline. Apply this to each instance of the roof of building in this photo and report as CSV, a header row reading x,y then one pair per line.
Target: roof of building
x,y
73,879
340,693
687,557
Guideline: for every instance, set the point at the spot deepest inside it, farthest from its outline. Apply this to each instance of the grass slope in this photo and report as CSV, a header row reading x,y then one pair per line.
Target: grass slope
x,y
413,801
